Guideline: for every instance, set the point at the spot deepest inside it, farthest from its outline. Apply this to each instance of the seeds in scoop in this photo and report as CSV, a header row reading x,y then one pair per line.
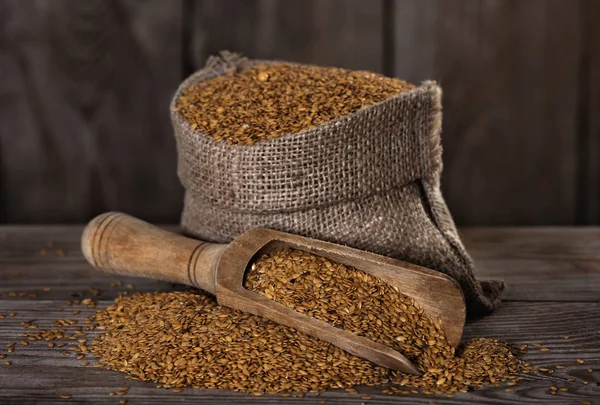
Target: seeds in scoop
x,y
270,101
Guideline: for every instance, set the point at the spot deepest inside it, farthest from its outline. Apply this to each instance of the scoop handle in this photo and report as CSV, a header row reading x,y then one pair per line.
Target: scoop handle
x,y
121,244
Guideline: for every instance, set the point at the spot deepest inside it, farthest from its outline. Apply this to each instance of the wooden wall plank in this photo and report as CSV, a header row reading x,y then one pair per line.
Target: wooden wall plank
x,y
333,33
84,114
84,88
509,72
590,114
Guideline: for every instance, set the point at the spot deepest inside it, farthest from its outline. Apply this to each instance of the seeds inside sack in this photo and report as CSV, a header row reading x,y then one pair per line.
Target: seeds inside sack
x,y
269,101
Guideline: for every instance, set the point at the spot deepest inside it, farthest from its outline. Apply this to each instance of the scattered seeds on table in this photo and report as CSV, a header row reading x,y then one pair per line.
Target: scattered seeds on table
x,y
180,339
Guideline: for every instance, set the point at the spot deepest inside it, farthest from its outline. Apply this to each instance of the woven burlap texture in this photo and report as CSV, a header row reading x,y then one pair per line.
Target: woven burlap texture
x,y
370,180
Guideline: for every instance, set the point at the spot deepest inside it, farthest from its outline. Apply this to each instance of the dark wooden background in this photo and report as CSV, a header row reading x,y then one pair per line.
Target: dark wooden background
x,y
85,86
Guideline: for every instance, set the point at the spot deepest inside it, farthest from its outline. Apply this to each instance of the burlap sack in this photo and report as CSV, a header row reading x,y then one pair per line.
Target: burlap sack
x,y
370,180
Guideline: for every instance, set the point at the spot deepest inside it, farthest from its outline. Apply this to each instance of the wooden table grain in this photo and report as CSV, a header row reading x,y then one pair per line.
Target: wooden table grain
x,y
553,291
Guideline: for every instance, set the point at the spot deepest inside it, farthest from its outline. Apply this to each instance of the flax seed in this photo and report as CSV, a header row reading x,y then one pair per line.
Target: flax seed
x,y
269,101
179,339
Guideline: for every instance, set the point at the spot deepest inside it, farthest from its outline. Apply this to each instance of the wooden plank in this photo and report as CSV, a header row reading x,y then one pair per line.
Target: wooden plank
x,y
333,33
589,89
536,243
553,264
42,243
85,123
28,378
509,72
414,40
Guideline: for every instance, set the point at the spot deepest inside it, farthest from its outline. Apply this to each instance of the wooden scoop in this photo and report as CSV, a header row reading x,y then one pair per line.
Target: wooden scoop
x,y
118,243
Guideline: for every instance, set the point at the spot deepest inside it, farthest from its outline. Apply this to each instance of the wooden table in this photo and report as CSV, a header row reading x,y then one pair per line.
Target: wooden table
x,y
553,277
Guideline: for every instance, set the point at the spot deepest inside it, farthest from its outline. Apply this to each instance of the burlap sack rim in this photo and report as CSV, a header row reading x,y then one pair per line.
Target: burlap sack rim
x,y
431,164
427,86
